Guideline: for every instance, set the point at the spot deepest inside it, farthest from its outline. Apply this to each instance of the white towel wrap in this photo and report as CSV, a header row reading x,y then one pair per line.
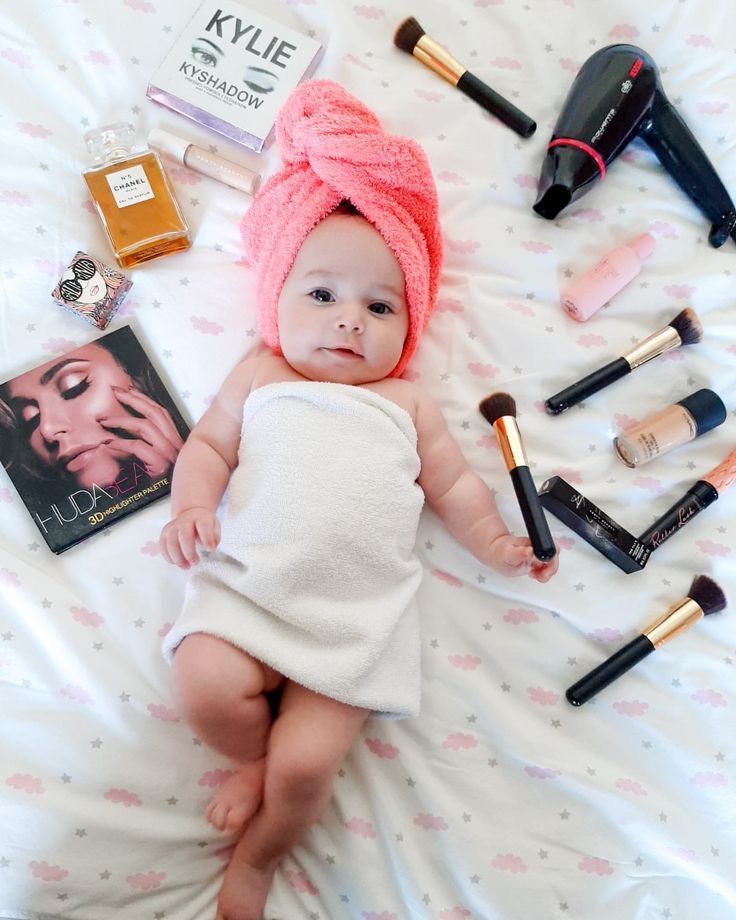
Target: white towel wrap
x,y
316,573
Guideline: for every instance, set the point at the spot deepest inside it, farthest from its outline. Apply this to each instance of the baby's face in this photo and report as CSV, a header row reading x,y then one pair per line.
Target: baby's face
x,y
342,311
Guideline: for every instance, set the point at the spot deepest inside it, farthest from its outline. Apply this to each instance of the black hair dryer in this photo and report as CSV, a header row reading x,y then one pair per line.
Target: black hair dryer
x,y
616,96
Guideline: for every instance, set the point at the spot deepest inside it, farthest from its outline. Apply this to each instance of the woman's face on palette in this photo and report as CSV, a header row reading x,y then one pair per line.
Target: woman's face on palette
x,y
62,407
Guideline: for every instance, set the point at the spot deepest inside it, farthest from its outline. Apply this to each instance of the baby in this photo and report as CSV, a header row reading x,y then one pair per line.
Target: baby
x,y
308,604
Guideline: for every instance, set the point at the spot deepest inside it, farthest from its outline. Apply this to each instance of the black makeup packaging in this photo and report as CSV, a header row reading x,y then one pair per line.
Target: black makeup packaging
x,y
593,525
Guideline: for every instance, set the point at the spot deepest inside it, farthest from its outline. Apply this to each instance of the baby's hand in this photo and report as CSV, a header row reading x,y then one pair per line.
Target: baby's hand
x,y
179,538
512,556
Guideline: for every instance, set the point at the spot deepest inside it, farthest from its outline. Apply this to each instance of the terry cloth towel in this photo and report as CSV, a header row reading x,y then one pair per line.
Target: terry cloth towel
x,y
316,573
334,148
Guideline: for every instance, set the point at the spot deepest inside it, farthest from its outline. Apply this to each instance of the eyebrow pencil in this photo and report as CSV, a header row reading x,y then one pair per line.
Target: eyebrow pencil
x,y
684,329
499,410
703,598
697,498
412,38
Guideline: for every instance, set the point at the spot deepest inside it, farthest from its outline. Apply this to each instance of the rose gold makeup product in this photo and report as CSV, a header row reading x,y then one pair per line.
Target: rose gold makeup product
x,y
499,410
703,598
204,162
677,424
697,498
596,287
92,290
684,329
412,38
133,197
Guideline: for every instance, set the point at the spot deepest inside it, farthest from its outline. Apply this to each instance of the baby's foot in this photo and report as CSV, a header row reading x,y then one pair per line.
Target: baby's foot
x,y
244,892
238,799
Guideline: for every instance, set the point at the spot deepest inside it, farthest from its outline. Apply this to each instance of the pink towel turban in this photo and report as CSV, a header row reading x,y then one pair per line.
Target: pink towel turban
x,y
334,148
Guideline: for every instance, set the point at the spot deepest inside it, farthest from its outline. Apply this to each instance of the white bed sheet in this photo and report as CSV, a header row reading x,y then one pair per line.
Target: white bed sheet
x,y
500,801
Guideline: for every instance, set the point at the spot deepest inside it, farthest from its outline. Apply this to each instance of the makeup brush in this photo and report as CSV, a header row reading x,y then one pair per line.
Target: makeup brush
x,y
499,410
412,38
684,329
703,598
697,498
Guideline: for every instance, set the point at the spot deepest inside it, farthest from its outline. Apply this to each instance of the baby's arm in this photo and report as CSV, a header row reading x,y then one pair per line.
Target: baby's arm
x,y
203,469
464,502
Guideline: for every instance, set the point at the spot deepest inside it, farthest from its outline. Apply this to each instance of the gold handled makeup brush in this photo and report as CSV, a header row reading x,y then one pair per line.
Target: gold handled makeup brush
x,y
684,329
412,38
703,598
499,410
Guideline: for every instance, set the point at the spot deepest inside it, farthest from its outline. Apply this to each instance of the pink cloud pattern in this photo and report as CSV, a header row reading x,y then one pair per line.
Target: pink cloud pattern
x,y
713,549
152,548
455,913
541,772
431,822
536,246
86,617
451,580
361,828
450,305
542,697
631,707
460,741
464,662
214,778
709,779
381,749
299,882
163,713
484,371
24,782
123,797
507,862
630,785
46,872
709,698
519,615
369,12
146,881
593,865
605,634
206,326
77,693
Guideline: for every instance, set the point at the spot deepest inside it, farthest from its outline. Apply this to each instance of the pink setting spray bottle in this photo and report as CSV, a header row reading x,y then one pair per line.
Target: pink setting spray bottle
x,y
591,291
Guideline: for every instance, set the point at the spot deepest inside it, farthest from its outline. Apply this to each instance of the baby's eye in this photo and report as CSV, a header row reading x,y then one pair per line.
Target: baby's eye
x,y
204,56
321,295
380,308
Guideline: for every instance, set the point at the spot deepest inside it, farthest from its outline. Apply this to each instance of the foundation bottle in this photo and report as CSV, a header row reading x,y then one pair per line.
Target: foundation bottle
x,y
133,197
677,424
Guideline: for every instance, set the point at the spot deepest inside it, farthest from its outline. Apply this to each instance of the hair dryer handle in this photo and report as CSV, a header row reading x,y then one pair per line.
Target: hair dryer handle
x,y
686,161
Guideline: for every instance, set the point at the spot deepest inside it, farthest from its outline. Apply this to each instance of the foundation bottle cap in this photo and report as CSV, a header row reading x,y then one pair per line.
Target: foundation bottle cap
x,y
706,408
643,245
171,144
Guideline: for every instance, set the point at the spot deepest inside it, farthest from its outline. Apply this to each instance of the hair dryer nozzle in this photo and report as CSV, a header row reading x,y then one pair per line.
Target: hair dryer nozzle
x,y
567,173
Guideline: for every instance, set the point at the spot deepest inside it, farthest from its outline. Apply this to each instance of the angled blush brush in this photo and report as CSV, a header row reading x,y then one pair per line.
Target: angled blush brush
x,y
684,329
412,38
499,410
703,598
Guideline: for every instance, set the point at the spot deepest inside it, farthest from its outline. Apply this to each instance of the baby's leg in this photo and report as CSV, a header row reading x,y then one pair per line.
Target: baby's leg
x,y
220,691
308,742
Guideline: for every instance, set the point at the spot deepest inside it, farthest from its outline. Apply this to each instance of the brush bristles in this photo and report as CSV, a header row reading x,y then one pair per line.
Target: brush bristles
x,y
408,34
707,595
687,325
497,405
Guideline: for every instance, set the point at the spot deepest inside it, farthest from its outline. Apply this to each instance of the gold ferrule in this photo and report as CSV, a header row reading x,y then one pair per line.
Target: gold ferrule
x,y
437,59
676,620
509,437
653,346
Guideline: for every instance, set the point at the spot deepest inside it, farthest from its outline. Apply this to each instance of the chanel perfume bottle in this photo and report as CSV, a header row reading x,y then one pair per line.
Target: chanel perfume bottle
x,y
133,197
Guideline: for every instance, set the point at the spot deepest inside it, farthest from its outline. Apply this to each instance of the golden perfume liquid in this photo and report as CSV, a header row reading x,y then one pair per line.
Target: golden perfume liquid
x,y
133,197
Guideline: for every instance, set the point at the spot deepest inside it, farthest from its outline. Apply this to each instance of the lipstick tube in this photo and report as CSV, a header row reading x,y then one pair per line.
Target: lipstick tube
x,y
204,162
697,498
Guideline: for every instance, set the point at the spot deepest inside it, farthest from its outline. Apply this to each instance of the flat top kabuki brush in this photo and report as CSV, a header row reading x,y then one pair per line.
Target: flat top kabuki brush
x,y
412,38
703,598
499,410
684,329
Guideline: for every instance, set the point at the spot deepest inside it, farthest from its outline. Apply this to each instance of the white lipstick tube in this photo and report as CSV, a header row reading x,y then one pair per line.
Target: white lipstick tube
x,y
204,162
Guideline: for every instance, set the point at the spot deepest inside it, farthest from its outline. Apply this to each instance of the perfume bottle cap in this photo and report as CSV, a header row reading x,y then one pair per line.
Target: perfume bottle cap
x,y
110,141
706,408
169,143
643,245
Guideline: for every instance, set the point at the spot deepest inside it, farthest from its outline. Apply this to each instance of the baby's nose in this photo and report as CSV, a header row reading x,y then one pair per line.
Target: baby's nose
x,y
350,320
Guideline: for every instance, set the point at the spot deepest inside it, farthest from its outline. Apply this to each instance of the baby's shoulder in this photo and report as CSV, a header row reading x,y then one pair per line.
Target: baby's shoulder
x,y
404,393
